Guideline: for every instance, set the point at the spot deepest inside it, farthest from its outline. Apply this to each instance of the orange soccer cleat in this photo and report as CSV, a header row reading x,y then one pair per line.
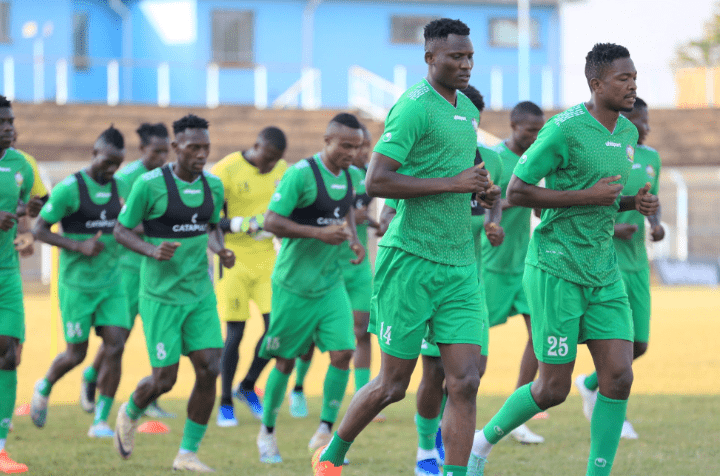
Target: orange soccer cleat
x,y
8,466
324,468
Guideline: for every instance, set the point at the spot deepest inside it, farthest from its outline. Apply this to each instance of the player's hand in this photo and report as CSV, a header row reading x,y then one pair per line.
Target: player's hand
x,y
657,233
92,246
625,231
487,199
165,250
34,206
645,202
333,234
24,244
227,258
361,215
359,251
494,233
474,179
604,193
7,220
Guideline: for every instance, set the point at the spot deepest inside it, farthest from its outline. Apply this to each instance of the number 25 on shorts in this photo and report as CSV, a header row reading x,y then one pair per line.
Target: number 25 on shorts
x,y
385,333
558,346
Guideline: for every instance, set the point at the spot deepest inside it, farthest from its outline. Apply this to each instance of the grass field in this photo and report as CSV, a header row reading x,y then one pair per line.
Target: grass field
x,y
675,408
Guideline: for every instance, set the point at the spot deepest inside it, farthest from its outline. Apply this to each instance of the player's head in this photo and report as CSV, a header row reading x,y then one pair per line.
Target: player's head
x,y
639,116
448,53
343,139
191,144
476,98
154,144
362,158
7,124
268,149
108,154
526,120
611,75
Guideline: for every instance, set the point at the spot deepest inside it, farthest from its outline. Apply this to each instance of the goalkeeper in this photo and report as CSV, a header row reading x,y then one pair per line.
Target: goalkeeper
x,y
249,178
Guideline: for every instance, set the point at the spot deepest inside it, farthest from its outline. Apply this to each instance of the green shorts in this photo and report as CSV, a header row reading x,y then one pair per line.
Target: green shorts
x,y
358,283
505,296
83,309
298,321
12,310
637,285
175,329
564,314
414,298
131,286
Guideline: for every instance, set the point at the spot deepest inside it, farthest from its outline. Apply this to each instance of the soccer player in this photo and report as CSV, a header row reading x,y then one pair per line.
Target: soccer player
x,y
503,265
249,178
16,183
425,276
154,147
39,192
572,280
87,205
179,207
312,212
629,240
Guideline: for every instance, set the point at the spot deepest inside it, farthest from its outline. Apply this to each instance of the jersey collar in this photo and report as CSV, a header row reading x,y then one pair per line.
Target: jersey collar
x,y
172,171
598,122
318,158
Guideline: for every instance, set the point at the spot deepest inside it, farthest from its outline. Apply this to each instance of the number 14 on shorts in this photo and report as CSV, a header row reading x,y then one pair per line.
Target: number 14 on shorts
x,y
385,333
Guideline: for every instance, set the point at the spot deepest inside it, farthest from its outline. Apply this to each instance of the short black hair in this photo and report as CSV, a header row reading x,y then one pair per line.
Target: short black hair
x,y
4,102
147,130
347,120
274,136
525,107
475,97
191,121
366,132
113,137
601,57
441,28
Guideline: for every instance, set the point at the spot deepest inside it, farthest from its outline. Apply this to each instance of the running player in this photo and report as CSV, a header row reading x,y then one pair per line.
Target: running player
x,y
629,242
179,207
426,277
39,193
503,265
154,147
87,205
572,280
16,183
249,178
312,211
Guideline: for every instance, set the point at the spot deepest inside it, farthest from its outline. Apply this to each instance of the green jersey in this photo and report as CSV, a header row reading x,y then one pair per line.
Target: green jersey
x,y
432,138
185,278
16,181
509,258
130,173
572,152
358,180
306,266
494,166
75,269
632,254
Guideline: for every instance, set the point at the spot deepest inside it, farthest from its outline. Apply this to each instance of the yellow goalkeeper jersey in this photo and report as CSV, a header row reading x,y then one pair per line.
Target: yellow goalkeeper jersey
x,y
38,187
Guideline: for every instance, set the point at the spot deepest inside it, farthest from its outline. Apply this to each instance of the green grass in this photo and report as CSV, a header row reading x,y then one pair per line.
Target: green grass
x,y
679,435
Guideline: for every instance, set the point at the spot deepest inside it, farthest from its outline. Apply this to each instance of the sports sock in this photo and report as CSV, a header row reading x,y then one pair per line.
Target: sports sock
x,y
591,382
336,450
518,409
336,381
362,377
8,382
605,429
449,470
90,374
274,395
192,436
45,387
102,409
301,368
258,364
132,410
426,429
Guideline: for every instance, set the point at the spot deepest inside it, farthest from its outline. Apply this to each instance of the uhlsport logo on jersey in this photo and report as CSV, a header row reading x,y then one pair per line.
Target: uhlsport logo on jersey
x,y
630,153
103,222
337,220
387,136
523,159
192,226
276,197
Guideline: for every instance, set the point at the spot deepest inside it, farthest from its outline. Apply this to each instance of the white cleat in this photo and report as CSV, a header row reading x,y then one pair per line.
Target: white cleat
x,y
87,395
124,432
190,462
524,435
101,430
38,406
267,446
588,396
628,432
321,438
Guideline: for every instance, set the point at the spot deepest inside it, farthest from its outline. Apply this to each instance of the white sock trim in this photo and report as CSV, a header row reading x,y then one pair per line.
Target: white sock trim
x,y
481,446
427,454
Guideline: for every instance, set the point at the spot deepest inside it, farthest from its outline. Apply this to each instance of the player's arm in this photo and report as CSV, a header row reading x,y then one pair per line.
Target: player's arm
x,y
523,194
24,240
644,202
90,247
284,227
354,241
386,215
657,231
493,230
216,243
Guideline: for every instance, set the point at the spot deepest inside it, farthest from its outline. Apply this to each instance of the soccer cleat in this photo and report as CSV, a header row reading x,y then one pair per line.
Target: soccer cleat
x,y
267,446
190,462
440,447
321,438
101,430
298,405
87,395
588,396
476,465
155,411
427,467
524,435
250,398
324,468
8,466
226,416
628,432
38,407
124,432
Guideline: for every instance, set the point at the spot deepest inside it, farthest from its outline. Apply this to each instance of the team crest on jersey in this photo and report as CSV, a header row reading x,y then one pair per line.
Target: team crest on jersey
x,y
650,171
630,153
19,179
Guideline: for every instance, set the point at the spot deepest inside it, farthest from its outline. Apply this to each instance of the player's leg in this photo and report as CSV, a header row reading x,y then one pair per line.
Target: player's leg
x,y
228,365
429,401
334,386
298,402
108,378
638,288
8,382
361,360
274,395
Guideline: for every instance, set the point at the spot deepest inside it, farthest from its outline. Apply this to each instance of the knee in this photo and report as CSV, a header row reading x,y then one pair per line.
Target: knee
x,y
165,382
639,349
550,394
208,369
114,350
77,355
361,333
285,365
464,387
622,380
341,359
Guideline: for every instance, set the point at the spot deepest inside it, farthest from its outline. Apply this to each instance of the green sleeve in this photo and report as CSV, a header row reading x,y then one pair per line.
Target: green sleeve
x,y
655,188
123,186
548,154
64,200
392,203
28,182
137,206
405,124
288,193
218,198
357,176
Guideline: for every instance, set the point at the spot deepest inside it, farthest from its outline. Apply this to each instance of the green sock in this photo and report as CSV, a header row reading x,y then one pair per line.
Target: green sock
x,y
45,387
274,396
518,408
132,410
90,374
8,382
102,408
362,377
336,381
426,429
591,382
449,470
442,406
605,428
301,369
336,450
192,436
